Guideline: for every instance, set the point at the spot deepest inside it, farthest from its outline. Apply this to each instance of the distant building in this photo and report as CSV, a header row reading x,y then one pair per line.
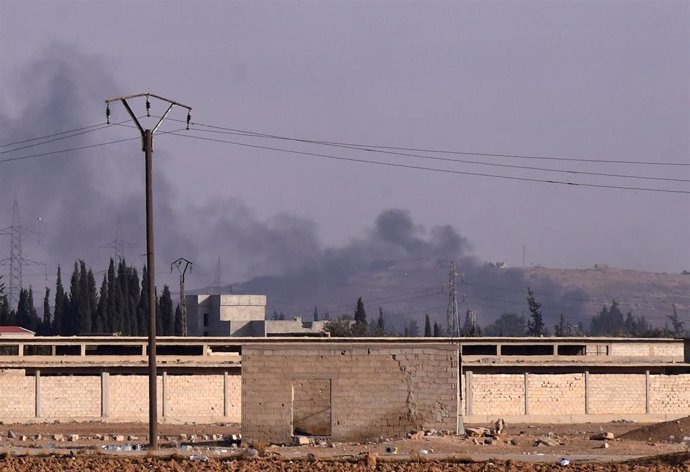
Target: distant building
x,y
242,315
15,331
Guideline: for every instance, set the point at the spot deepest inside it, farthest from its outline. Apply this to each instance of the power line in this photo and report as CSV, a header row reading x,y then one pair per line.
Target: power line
x,y
466,161
50,135
79,148
432,169
435,151
510,166
55,139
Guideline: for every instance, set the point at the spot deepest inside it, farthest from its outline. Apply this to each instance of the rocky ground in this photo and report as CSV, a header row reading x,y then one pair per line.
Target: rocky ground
x,y
188,448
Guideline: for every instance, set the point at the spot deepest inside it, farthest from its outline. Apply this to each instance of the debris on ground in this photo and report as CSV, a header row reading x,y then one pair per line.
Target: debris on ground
x,y
547,441
499,426
604,435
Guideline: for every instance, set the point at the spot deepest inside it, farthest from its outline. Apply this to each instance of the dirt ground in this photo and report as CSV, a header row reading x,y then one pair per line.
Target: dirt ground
x,y
33,447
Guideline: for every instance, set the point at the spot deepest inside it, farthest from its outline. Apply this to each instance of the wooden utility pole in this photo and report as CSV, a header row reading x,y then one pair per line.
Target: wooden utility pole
x,y
147,145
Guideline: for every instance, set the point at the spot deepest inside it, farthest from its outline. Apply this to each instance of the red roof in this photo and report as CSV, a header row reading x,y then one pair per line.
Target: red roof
x,y
14,330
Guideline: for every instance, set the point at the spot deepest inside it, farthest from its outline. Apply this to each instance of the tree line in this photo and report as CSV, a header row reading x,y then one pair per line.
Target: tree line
x,y
609,321
120,306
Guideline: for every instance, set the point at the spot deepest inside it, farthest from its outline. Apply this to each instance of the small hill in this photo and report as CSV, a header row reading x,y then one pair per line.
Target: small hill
x,y
408,289
647,294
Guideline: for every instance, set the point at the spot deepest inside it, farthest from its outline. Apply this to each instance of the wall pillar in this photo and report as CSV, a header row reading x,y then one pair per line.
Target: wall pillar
x,y
587,392
226,394
164,394
468,392
647,400
526,394
37,394
105,394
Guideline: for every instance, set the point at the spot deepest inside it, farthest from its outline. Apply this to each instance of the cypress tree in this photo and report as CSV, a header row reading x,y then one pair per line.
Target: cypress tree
x,y
4,307
92,299
46,328
59,306
113,323
133,301
427,326
33,314
178,320
143,309
166,313
121,300
102,308
4,310
71,320
535,325
84,300
437,330
22,314
380,326
360,327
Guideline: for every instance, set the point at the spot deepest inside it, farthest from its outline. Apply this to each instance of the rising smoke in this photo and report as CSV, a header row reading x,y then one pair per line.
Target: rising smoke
x,y
74,201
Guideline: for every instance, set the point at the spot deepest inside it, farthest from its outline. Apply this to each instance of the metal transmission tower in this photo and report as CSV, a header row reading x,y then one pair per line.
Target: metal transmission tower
x,y
182,264
118,245
147,146
216,279
16,261
452,320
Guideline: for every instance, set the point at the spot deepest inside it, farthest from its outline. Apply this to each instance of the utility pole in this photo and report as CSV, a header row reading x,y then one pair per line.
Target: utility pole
x,y
452,318
147,146
182,264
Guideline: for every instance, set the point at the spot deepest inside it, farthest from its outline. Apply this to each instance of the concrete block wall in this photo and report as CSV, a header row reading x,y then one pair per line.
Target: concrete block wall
x,y
70,397
128,396
496,394
17,396
194,395
641,349
555,393
578,397
203,398
621,394
669,394
375,389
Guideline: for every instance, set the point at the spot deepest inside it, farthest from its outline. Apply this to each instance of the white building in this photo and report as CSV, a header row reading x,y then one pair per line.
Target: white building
x,y
242,315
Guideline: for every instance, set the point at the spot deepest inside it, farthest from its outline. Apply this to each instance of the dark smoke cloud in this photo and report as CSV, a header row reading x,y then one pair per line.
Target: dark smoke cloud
x,y
401,267
76,200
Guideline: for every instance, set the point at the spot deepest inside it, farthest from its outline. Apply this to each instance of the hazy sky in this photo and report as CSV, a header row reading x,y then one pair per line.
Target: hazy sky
x,y
601,80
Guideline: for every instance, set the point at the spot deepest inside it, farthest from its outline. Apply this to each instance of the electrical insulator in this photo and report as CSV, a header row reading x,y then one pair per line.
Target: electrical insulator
x,y
148,106
189,118
107,114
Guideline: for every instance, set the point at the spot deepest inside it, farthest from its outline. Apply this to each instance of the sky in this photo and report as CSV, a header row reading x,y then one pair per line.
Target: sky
x,y
588,80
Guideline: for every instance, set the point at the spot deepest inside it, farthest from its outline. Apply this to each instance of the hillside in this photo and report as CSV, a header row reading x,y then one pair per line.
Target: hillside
x,y
410,288
651,295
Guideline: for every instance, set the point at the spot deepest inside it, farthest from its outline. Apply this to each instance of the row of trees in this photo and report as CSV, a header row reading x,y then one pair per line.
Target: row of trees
x,y
610,321
120,306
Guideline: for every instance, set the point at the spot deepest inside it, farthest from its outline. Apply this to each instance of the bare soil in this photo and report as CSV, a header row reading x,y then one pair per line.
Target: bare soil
x,y
668,431
517,449
94,463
